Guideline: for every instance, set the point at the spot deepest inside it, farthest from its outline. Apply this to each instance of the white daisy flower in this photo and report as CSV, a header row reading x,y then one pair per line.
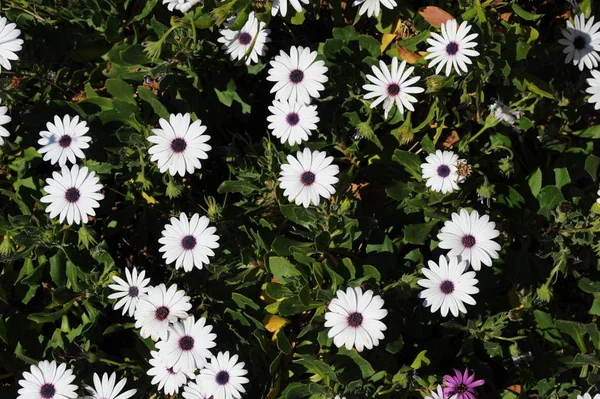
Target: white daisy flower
x,y
598,200
453,48
223,377
593,89
179,145
168,380
281,6
373,7
441,172
354,318
129,291
64,140
187,347
471,238
193,391
9,44
106,389
181,5
47,380
582,41
73,194
249,40
4,119
437,395
447,286
188,243
292,122
297,76
588,396
392,88
308,176
158,308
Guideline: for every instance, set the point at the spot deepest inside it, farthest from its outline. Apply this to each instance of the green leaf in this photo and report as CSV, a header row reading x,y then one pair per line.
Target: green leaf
x,y
592,163
243,301
535,182
148,96
319,368
574,330
57,269
282,269
411,162
346,34
121,90
418,233
420,360
589,133
300,215
237,186
525,14
561,176
365,367
370,44
550,196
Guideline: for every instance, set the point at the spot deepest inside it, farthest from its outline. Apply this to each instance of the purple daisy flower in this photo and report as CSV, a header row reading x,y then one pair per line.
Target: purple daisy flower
x,y
462,386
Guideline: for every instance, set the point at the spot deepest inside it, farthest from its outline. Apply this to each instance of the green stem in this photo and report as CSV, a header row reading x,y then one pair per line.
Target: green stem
x,y
483,129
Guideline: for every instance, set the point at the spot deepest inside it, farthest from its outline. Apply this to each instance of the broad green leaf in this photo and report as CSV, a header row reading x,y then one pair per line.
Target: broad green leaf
x,y
300,215
237,186
411,162
535,182
121,90
525,14
592,163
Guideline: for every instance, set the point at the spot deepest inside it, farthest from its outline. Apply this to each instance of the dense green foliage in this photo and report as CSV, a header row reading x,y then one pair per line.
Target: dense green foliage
x,y
123,64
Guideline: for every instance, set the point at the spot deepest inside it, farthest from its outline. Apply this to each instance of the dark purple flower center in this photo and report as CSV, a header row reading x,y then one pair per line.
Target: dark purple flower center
x,y
452,48
186,343
447,287
292,119
170,371
461,388
307,178
443,171
296,76
47,391
162,313
65,141
355,319
188,242
133,292
468,241
222,377
393,89
579,42
72,195
245,38
178,145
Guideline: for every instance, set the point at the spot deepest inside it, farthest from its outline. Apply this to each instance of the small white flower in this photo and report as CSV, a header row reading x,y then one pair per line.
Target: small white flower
x,y
187,347
437,395
598,194
447,286
251,38
354,318
106,389
470,237
392,88
179,145
308,176
73,194
181,5
167,380
193,391
129,291
503,113
297,76
47,380
453,48
292,122
9,44
373,7
4,119
281,6
582,41
441,172
223,377
588,396
188,242
593,89
159,308
64,140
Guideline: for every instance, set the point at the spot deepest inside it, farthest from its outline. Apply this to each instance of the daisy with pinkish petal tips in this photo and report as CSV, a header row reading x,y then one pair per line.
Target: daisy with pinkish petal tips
x,y
462,385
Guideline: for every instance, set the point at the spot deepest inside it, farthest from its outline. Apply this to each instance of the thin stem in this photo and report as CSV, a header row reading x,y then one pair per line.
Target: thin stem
x,y
483,129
